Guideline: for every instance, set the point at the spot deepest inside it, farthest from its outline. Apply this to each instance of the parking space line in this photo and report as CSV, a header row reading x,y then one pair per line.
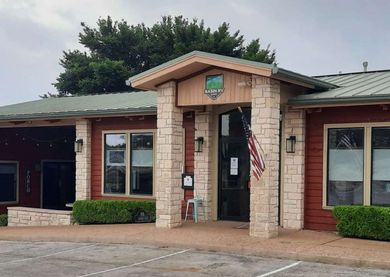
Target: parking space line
x,y
48,255
135,264
280,269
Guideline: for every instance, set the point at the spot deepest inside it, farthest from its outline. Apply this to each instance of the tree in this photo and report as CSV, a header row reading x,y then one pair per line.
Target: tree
x,y
117,51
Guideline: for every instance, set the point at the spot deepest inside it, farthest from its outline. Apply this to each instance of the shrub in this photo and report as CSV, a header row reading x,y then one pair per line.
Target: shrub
x,y
3,220
111,211
368,222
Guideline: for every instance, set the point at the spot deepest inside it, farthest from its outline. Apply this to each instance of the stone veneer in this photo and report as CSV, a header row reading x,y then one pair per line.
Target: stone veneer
x,y
23,216
203,161
83,160
169,157
265,121
294,175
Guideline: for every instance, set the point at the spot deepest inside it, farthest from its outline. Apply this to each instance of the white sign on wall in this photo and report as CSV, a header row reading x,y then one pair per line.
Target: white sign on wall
x,y
233,166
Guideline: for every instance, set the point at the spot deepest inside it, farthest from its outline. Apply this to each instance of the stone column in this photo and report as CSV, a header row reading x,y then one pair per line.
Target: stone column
x,y
83,160
265,125
203,161
169,157
294,174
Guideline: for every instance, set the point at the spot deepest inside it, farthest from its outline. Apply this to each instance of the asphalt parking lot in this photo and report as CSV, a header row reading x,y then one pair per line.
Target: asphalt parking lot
x,y
86,259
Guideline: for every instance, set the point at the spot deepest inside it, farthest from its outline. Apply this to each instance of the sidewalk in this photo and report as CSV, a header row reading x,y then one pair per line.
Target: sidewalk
x,y
325,247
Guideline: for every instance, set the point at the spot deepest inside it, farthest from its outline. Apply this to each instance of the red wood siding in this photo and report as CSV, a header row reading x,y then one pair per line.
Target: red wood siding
x,y
17,144
110,124
315,217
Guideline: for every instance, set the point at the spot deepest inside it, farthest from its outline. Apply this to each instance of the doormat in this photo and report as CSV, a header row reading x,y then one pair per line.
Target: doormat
x,y
242,226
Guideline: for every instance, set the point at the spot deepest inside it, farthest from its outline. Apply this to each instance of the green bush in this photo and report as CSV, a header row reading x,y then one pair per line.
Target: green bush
x,y
368,222
111,211
3,220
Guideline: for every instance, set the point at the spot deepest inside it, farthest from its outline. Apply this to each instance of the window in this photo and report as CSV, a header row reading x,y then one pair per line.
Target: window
x,y
345,166
115,163
8,181
380,176
128,163
142,164
357,165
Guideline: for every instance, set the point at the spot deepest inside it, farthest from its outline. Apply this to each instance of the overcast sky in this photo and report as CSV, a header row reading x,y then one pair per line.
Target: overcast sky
x,y
310,36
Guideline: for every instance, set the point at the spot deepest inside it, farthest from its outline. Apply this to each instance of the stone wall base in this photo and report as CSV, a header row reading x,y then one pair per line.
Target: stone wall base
x,y
23,216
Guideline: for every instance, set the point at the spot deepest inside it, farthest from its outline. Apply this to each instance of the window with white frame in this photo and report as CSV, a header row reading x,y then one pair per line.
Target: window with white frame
x,y
128,163
357,164
8,181
380,176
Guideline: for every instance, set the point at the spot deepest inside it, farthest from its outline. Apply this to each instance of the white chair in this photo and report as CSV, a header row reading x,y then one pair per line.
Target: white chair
x,y
196,202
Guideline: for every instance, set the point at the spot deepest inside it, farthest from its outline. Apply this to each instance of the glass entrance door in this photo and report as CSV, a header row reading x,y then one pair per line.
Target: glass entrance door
x,y
234,167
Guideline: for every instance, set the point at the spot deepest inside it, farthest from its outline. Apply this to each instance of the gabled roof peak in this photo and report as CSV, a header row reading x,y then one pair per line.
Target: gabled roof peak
x,y
197,61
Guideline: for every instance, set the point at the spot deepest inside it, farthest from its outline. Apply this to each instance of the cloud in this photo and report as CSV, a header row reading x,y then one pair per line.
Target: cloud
x,y
310,37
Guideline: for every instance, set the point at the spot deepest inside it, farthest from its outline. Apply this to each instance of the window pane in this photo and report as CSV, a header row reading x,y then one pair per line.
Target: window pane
x,y
8,177
142,164
115,163
345,166
380,178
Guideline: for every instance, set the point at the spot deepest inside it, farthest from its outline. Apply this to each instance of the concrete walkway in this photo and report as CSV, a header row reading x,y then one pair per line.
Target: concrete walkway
x,y
325,247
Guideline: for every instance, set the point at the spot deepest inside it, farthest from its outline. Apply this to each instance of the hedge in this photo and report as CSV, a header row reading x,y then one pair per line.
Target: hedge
x,y
368,222
3,220
110,211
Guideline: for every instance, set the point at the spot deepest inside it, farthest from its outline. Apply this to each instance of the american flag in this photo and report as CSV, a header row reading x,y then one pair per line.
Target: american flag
x,y
255,151
346,141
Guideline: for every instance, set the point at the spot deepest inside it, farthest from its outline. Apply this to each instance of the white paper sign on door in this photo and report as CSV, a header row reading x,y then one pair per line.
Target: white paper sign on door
x,y
233,166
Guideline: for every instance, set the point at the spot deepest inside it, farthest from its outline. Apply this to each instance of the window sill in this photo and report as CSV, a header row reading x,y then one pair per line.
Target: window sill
x,y
9,203
131,196
328,207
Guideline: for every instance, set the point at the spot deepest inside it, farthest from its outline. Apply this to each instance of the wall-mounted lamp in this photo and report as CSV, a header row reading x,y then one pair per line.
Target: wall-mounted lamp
x,y
290,144
199,144
78,145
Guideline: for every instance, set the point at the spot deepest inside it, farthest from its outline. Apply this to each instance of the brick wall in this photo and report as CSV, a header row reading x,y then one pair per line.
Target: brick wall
x,y
189,126
265,126
294,165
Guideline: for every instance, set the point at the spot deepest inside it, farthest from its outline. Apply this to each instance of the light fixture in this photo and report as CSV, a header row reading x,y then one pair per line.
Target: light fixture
x,y
78,145
290,144
199,144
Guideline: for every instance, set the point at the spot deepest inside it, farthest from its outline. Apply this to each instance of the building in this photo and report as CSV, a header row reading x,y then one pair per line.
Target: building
x,y
325,141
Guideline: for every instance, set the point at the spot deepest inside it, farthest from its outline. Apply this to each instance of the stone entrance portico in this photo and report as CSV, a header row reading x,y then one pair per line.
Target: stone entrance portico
x,y
265,126
265,92
169,157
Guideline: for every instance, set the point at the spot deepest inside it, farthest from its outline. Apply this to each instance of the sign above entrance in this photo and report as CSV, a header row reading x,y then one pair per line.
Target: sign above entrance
x,y
214,86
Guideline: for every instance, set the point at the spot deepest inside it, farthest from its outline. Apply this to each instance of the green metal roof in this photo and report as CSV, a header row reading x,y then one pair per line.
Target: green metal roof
x,y
92,105
359,87
276,71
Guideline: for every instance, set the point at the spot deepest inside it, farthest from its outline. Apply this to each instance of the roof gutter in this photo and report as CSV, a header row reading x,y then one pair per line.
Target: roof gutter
x,y
345,101
276,71
72,114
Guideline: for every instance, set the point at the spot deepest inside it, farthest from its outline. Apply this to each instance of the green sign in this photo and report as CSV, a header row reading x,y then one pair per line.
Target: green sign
x,y
214,86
